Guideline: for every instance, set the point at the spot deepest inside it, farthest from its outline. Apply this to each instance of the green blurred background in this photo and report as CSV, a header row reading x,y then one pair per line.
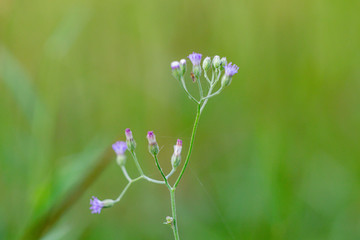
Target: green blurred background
x,y
276,155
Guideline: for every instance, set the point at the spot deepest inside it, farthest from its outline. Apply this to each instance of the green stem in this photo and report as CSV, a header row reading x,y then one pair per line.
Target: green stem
x,y
173,209
161,171
198,113
137,163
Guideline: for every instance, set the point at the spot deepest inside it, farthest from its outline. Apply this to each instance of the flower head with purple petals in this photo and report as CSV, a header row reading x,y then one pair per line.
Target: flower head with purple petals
x,y
231,69
195,58
119,147
96,205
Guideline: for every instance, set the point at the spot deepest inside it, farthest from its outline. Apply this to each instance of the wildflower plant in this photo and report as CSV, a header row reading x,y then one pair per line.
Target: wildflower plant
x,y
219,67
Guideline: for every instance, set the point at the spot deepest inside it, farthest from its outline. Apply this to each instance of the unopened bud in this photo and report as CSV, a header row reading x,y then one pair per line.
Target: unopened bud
x,y
153,146
216,62
130,142
176,157
206,64
226,80
175,66
182,66
223,63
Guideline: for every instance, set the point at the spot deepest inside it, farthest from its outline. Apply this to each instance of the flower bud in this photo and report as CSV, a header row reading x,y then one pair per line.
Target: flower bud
x,y
175,66
182,66
206,64
216,62
130,142
225,81
176,157
223,63
153,146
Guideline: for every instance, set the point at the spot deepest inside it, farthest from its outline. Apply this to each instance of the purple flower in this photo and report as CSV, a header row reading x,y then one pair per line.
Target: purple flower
x,y
175,65
195,58
96,205
151,138
230,70
119,147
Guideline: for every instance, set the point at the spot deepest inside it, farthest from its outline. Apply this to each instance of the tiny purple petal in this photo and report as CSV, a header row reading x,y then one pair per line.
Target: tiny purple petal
x,y
231,69
96,205
119,147
175,65
195,58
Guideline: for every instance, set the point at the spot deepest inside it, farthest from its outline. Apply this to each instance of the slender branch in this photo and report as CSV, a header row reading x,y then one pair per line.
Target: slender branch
x,y
133,154
206,77
200,88
123,168
186,90
198,113
161,171
141,171
171,173
123,191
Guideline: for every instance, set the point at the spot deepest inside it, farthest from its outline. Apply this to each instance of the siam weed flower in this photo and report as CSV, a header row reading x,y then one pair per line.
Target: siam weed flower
x,y
131,144
153,146
96,205
230,70
119,147
176,157
195,58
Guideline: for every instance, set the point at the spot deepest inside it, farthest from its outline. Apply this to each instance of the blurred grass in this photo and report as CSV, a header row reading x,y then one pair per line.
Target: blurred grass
x,y
277,153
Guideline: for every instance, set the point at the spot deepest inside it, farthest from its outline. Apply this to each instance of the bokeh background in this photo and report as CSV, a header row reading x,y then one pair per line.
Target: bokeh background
x,y
276,155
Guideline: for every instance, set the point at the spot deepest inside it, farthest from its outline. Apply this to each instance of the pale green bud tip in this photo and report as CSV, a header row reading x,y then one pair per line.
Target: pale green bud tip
x,y
216,62
206,63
